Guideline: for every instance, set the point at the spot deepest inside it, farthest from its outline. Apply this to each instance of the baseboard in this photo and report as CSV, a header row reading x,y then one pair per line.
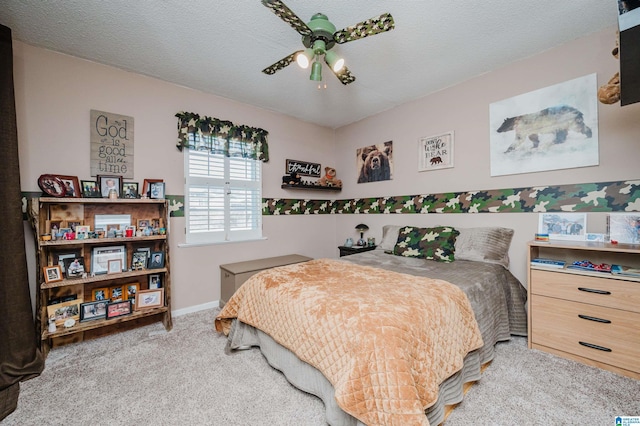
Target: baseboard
x,y
196,308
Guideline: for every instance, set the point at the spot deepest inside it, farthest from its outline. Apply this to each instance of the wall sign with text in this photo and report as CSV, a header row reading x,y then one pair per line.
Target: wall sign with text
x,y
303,168
111,144
435,152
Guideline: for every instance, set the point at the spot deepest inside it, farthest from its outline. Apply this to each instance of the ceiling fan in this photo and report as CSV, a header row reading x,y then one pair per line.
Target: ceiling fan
x,y
319,35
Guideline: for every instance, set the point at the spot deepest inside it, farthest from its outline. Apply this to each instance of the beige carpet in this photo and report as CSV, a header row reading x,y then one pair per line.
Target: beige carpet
x,y
150,377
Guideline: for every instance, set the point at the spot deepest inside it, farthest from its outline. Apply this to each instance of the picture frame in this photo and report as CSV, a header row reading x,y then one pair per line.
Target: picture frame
x,y
71,186
60,312
108,182
52,274
73,224
74,267
156,261
100,257
131,290
435,152
51,185
82,232
118,309
130,190
90,311
59,257
54,226
563,226
149,299
155,223
157,191
105,220
155,281
114,266
143,223
100,294
624,227
139,260
146,186
90,189
116,293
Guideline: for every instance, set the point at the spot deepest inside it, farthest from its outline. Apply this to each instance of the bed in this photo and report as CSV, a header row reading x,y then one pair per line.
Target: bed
x,y
393,366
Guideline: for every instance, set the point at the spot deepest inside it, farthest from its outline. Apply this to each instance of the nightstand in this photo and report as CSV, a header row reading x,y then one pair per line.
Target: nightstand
x,y
346,251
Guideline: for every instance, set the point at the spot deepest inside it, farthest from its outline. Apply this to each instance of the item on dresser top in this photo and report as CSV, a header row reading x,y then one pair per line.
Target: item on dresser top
x,y
586,265
625,270
548,263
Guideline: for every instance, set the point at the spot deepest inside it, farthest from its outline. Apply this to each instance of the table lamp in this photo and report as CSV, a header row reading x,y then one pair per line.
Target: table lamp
x,y
361,228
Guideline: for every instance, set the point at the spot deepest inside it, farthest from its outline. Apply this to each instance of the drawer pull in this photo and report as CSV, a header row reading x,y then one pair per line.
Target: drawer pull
x,y
591,290
592,346
587,317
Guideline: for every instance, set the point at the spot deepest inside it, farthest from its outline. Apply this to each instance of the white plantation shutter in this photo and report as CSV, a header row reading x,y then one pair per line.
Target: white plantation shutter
x,y
223,196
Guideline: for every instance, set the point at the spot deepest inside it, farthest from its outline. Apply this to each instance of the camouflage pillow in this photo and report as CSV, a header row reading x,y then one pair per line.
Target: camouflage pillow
x,y
430,243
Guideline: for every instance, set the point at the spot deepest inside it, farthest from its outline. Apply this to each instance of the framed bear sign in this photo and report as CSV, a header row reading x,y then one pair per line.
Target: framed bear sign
x,y
435,152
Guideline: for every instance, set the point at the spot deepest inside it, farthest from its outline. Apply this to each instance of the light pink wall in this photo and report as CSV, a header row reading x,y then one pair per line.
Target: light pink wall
x,y
464,108
54,94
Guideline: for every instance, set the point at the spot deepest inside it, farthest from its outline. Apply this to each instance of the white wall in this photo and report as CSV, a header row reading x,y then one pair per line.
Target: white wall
x,y
464,109
54,94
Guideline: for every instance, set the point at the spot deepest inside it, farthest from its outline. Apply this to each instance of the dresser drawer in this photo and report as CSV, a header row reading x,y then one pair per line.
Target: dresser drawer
x,y
574,328
607,292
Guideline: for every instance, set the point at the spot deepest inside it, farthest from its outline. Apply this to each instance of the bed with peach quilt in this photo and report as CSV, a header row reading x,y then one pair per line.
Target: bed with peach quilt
x,y
379,346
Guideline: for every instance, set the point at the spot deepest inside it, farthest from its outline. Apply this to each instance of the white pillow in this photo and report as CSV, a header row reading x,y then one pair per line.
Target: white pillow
x,y
485,244
389,236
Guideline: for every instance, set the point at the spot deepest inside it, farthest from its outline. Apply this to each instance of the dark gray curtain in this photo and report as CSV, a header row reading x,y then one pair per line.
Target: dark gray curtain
x,y
20,358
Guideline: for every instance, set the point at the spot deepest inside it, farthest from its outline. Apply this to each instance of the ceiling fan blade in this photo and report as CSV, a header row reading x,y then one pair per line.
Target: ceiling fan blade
x,y
344,75
364,29
287,15
271,69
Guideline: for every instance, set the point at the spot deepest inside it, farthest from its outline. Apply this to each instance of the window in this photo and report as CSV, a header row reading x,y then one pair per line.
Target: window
x,y
223,194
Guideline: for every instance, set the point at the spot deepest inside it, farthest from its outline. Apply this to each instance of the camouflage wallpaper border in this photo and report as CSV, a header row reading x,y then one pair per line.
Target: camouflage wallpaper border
x,y
615,196
584,197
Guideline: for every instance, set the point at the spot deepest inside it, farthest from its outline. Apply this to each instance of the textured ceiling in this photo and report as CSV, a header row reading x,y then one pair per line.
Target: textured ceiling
x,y
221,46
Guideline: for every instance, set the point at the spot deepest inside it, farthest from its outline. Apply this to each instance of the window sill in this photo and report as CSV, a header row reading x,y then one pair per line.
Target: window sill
x,y
217,243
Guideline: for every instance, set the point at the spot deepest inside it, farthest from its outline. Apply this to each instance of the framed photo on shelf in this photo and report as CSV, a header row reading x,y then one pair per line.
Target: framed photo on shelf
x,y
116,294
146,186
118,309
157,191
155,281
147,299
563,226
52,273
90,311
54,226
99,294
139,260
108,183
74,267
114,266
60,312
100,257
131,291
130,189
90,189
157,260
71,185
82,232
52,185
624,227
58,258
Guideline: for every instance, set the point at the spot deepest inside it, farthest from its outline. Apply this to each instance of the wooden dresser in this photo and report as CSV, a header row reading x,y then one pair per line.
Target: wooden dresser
x,y
591,317
233,275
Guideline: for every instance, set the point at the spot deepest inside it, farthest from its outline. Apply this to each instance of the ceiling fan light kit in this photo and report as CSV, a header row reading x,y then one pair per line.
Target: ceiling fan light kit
x,y
319,35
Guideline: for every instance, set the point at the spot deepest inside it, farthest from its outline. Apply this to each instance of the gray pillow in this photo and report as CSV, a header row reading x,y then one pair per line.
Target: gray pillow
x,y
485,244
389,237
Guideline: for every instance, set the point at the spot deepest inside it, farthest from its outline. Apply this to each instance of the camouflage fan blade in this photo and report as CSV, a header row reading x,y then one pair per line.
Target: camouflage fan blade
x,y
344,75
284,62
364,29
287,15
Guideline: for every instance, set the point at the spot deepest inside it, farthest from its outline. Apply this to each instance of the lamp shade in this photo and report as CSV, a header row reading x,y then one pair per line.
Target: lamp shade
x,y
334,61
316,71
303,59
362,227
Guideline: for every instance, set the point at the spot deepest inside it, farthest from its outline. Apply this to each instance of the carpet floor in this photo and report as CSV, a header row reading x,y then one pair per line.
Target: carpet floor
x,y
148,376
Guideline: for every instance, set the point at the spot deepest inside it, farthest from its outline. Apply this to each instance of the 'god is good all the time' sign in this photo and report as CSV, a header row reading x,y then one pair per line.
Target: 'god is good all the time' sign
x,y
111,144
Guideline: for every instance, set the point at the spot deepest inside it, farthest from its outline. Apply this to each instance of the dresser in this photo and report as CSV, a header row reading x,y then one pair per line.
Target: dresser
x,y
233,275
587,316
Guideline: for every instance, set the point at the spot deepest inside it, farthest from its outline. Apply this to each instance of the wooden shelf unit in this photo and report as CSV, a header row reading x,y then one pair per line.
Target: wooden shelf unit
x,y
43,209
311,187
589,317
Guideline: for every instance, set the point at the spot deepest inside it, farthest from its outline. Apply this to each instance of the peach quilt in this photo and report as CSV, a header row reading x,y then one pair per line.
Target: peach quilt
x,y
384,340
